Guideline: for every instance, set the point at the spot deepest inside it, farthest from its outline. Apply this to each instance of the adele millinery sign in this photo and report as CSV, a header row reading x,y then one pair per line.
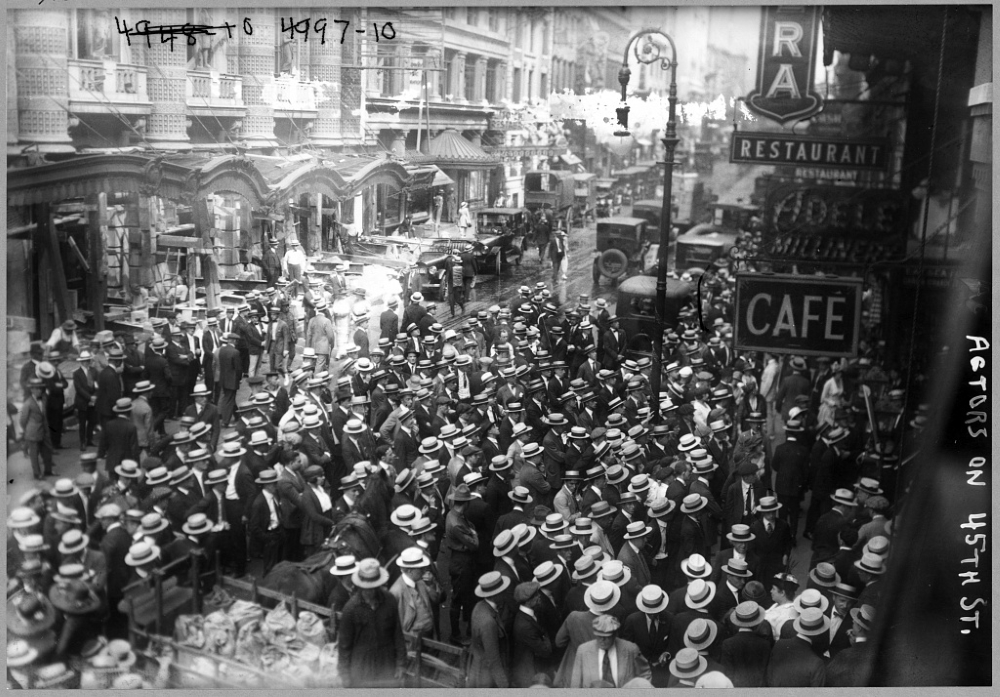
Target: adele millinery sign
x,y
787,60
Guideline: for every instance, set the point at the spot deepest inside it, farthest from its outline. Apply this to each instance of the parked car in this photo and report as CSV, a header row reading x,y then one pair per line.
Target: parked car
x,y
433,274
636,309
622,242
502,233
703,244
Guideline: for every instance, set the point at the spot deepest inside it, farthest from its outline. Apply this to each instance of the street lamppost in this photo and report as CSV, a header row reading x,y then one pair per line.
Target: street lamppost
x,y
648,53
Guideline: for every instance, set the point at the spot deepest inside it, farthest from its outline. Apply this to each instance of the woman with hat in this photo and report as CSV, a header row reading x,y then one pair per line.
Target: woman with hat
x,y
783,590
372,651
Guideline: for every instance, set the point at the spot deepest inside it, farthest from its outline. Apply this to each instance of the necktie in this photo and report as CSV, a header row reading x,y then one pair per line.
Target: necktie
x,y
222,508
606,673
654,626
749,502
769,528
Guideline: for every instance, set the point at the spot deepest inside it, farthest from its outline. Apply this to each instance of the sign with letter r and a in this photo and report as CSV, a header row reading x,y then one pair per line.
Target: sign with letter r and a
x,y
800,315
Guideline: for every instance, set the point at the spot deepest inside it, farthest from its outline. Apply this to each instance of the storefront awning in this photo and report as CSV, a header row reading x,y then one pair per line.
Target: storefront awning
x,y
450,150
173,177
428,176
337,179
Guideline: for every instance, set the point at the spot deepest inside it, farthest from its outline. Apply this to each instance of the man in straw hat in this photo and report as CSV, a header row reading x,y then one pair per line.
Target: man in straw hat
x,y
417,592
119,438
649,629
372,651
852,667
490,644
607,657
531,646
794,661
461,539
35,430
746,653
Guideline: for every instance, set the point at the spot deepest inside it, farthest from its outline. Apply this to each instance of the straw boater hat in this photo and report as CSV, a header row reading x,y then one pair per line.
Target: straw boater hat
x,y
688,664
811,599
700,593
601,596
747,614
812,622
491,584
652,600
344,566
824,575
369,574
700,634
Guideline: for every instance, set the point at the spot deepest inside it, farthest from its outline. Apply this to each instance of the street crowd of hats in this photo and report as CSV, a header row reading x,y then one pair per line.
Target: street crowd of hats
x,y
505,488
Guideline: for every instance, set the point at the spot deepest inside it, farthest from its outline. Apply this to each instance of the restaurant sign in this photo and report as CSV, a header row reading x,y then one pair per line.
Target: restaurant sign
x,y
786,64
809,151
800,315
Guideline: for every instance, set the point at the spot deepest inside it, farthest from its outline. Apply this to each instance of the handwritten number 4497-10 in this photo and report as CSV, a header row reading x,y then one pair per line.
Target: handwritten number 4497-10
x,y
169,33
319,27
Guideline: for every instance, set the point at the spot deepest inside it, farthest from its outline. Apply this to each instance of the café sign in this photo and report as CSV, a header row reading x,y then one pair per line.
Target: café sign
x,y
786,64
809,151
800,315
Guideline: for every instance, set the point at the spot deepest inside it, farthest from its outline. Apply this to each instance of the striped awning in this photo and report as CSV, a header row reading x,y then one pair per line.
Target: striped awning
x,y
451,151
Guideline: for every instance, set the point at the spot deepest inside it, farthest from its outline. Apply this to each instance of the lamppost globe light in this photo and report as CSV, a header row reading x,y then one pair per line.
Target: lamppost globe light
x,y
650,53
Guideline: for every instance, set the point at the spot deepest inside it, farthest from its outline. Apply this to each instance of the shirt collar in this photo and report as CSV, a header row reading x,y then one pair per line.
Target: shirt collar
x,y
408,581
528,611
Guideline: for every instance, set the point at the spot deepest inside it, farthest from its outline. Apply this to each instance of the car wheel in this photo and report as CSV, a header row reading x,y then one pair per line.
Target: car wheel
x,y
613,263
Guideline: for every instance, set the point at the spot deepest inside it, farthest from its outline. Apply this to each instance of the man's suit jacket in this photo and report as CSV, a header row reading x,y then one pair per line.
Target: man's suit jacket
x,y
793,663
790,464
388,325
851,667
733,504
490,649
770,549
210,417
33,422
839,641
745,656
825,544
84,386
114,546
587,668
636,629
230,368
530,649
109,391
710,514
636,562
290,488
119,441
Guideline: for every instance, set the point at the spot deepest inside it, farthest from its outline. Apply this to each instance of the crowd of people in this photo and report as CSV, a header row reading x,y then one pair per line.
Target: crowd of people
x,y
579,530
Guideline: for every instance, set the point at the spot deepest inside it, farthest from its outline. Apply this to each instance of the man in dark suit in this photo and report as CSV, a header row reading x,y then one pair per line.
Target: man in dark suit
x,y
158,371
205,412
35,429
114,546
290,487
211,341
405,444
691,535
279,344
498,490
844,597
389,321
793,662
742,496
85,396
649,629
264,519
119,438
825,541
614,345
132,366
531,647
746,653
180,361
230,372
742,541
773,541
790,464
735,575
361,335
852,667
109,386
589,367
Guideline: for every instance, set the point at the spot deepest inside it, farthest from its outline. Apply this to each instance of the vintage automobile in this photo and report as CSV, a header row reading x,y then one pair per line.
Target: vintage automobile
x,y
585,198
502,232
605,192
433,273
702,245
636,309
622,243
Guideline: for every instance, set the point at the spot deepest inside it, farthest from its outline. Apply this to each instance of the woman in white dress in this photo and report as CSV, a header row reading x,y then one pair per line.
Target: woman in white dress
x,y
783,594
832,396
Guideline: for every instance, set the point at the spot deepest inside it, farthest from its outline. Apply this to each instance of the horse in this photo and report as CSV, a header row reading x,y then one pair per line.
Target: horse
x,y
311,580
357,534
